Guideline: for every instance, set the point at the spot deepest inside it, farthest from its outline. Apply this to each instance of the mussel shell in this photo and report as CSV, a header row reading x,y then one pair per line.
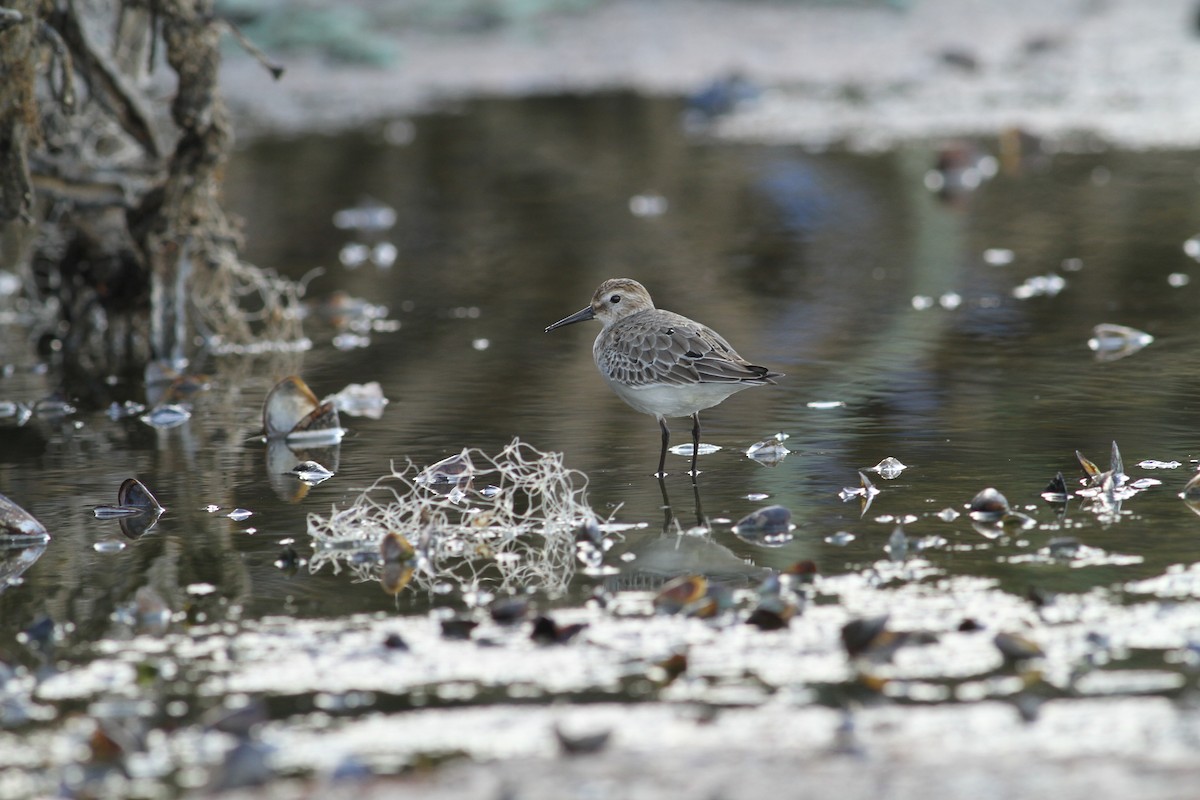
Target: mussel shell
x,y
1016,648
1090,470
137,526
989,505
292,408
771,525
394,548
859,634
1056,490
134,494
677,593
17,523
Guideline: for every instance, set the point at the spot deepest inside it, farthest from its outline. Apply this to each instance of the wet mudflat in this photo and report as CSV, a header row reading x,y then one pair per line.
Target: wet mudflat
x,y
247,636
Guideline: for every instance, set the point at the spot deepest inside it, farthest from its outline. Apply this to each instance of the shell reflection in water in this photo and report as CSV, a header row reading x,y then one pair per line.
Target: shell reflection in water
x,y
18,524
396,555
1191,494
291,411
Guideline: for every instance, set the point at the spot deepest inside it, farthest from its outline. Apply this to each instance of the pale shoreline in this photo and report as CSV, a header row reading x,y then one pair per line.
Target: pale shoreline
x,y
868,75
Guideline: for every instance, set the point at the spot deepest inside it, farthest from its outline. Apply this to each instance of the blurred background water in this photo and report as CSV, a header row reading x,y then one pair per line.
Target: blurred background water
x,y
818,264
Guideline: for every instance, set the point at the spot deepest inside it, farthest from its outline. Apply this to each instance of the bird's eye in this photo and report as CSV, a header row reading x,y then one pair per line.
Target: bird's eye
x,y
616,298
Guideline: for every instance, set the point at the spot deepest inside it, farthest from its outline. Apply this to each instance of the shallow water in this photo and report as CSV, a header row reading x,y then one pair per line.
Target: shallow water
x,y
814,263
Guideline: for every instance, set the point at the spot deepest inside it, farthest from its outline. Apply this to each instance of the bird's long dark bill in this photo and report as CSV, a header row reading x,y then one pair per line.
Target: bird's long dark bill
x,y
582,315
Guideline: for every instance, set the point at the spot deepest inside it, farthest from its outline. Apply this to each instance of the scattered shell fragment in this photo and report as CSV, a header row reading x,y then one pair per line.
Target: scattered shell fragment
x,y
769,451
311,472
888,468
1111,342
1153,463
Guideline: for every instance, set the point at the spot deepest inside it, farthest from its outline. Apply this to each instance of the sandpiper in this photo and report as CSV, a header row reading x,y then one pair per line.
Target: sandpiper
x,y
663,363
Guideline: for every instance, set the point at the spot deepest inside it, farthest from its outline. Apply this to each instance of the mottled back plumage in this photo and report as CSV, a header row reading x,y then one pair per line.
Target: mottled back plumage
x,y
662,363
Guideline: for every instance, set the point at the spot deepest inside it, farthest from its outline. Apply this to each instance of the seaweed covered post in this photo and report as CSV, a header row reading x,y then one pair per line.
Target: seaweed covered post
x,y
118,201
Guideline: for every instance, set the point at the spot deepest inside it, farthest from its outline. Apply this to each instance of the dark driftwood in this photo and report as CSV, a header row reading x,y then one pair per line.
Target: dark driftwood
x,y
145,236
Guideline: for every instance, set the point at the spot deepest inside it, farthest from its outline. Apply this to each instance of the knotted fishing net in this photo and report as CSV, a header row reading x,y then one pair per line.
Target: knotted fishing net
x,y
504,522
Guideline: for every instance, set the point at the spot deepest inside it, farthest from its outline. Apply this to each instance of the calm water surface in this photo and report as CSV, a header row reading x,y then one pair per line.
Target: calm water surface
x,y
508,216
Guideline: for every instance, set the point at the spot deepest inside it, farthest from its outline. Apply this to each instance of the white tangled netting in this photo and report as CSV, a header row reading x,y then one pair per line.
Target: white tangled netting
x,y
506,521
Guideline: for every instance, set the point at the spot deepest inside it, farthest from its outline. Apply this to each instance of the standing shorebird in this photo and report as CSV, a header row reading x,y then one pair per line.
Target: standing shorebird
x,y
662,363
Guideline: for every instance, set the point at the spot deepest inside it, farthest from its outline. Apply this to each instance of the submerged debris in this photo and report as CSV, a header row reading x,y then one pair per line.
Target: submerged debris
x,y
1111,342
521,535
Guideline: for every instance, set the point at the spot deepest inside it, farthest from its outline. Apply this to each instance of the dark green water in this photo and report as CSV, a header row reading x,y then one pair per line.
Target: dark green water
x,y
508,216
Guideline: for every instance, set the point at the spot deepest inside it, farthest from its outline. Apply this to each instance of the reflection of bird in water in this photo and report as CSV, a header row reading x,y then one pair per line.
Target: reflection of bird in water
x,y
661,363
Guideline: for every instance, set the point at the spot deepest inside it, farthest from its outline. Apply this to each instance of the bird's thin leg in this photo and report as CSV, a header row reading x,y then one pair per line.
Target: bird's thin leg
x,y
666,439
695,442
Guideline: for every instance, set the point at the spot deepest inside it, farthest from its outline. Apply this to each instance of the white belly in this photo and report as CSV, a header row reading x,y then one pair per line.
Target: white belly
x,y
675,401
